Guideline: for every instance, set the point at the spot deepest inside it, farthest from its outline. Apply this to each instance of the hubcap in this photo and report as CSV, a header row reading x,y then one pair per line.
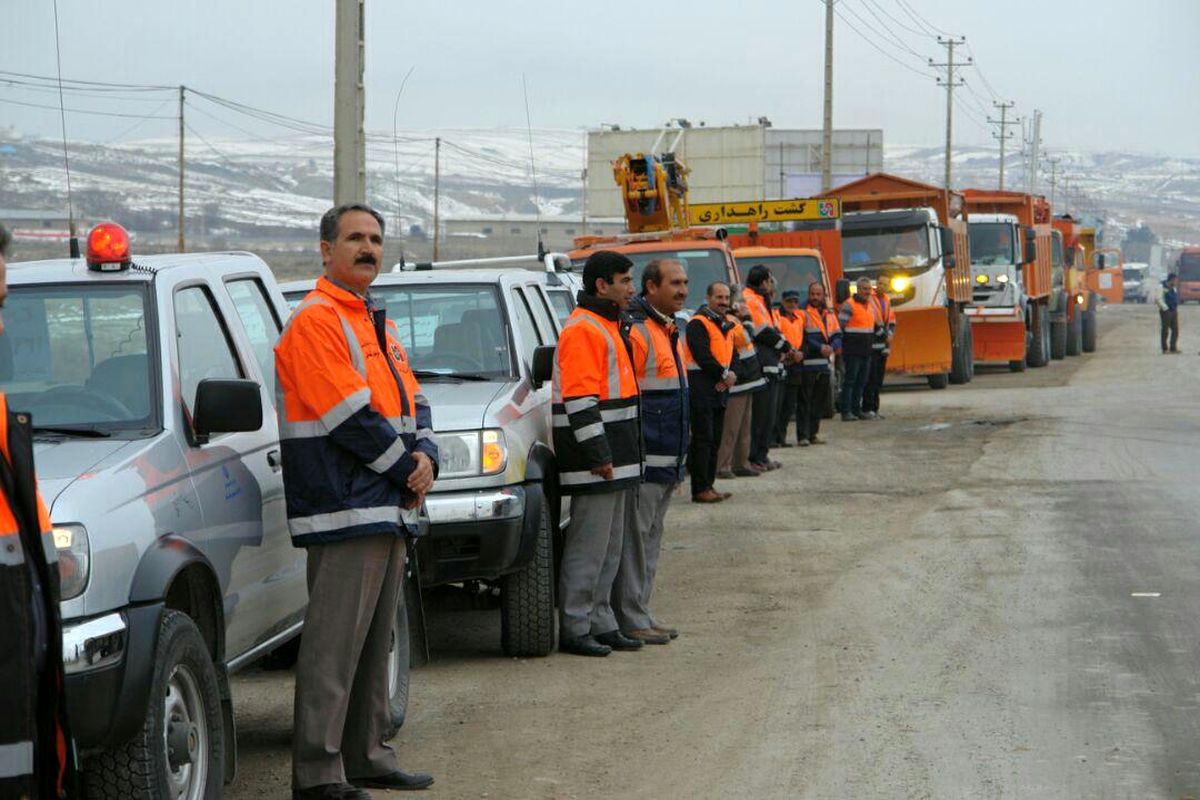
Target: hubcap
x,y
185,736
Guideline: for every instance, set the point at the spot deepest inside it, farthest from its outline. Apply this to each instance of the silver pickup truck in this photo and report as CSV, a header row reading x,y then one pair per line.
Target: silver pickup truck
x,y
150,384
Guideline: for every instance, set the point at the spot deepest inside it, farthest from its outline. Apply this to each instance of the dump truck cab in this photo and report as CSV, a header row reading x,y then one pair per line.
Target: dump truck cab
x,y
1188,270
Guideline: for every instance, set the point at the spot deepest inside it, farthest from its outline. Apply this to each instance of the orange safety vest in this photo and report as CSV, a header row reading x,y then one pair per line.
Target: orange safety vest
x,y
595,403
793,329
654,364
720,345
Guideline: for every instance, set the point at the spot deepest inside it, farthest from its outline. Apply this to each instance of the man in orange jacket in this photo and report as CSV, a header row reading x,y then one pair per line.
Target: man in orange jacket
x,y
358,457
37,758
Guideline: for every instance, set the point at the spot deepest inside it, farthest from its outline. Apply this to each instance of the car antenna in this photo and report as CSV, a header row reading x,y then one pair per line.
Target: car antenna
x,y
396,159
537,202
62,113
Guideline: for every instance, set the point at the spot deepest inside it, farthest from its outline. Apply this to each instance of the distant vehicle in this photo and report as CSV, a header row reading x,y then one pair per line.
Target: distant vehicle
x,y
1188,269
1136,276
481,342
151,383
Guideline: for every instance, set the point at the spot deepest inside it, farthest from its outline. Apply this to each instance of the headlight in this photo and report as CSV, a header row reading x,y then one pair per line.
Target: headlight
x,y
1001,278
981,278
1079,299
900,283
466,453
74,559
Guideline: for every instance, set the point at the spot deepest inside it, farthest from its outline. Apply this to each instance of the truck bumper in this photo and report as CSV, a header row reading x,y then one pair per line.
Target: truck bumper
x,y
998,334
473,535
109,666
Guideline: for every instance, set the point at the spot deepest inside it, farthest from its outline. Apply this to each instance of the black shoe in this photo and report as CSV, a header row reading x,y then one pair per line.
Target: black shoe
x,y
583,646
743,472
396,781
332,791
850,417
782,444
616,641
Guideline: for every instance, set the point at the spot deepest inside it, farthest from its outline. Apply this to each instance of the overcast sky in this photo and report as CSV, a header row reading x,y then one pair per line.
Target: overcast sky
x,y
1109,74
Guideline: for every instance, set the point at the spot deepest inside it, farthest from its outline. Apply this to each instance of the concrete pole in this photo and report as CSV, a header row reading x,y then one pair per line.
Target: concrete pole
x,y
827,131
349,140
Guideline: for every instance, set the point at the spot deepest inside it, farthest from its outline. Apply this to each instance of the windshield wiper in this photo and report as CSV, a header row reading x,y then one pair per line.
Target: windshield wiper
x,y
82,433
428,374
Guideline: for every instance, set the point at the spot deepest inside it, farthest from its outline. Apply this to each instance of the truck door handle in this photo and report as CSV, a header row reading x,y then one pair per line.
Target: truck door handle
x,y
273,460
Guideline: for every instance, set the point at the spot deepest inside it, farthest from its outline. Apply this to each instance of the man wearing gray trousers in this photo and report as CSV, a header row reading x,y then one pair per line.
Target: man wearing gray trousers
x,y
658,364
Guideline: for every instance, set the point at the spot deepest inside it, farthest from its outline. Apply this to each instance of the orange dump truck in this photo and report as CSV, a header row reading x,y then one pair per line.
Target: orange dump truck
x,y
1012,255
796,258
1083,279
910,239
1188,270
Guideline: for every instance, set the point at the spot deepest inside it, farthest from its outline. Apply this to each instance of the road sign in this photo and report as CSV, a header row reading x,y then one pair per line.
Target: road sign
x,y
764,211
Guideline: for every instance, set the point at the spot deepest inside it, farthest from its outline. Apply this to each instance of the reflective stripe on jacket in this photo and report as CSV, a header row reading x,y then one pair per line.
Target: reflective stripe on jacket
x,y
885,318
859,321
36,751
820,328
658,365
764,328
709,355
746,367
595,401
351,417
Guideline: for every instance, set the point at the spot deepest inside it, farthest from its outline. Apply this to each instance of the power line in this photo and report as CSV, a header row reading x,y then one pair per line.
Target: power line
x,y
81,110
920,20
886,34
897,21
871,42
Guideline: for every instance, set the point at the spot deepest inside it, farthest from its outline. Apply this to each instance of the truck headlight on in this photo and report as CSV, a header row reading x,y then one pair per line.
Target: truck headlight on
x,y
900,283
1002,278
74,559
466,453
981,278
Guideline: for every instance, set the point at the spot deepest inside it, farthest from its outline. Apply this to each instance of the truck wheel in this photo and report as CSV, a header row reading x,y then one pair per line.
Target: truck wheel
x,y
1089,327
1075,334
1058,339
527,598
1038,353
939,380
399,661
180,750
1017,366
959,365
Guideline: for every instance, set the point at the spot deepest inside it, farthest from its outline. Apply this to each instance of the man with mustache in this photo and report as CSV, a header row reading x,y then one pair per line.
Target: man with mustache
x,y
358,458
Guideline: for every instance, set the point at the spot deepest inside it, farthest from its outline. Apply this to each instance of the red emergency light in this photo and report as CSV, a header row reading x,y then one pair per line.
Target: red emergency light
x,y
108,248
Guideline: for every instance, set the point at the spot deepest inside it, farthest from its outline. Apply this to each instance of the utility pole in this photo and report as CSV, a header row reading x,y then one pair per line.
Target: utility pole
x,y
437,179
182,90
1035,143
1053,162
349,140
827,131
950,42
1004,134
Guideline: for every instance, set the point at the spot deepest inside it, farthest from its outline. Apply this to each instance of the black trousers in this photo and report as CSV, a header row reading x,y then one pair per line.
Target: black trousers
x,y
870,400
1169,325
707,423
764,412
810,403
789,393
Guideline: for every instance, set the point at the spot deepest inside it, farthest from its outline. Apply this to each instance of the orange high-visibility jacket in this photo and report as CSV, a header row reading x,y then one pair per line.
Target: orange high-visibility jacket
x,y
746,366
820,328
351,416
658,364
595,401
887,319
860,321
36,758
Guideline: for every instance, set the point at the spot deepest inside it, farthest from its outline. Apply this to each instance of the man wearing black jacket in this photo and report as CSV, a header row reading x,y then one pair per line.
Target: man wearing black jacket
x,y
772,347
710,375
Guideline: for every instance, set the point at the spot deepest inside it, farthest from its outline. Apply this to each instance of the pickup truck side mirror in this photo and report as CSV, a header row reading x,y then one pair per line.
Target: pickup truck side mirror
x,y
1030,246
226,406
949,256
841,292
543,365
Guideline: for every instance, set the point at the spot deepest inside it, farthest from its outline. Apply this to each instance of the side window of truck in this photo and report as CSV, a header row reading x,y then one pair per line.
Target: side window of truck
x,y
530,338
541,314
202,342
560,299
259,320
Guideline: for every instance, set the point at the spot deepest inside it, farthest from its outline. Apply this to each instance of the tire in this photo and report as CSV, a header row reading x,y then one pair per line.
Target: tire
x,y
1016,366
1058,340
1037,354
970,353
959,366
939,380
399,662
184,709
1075,334
1089,327
527,598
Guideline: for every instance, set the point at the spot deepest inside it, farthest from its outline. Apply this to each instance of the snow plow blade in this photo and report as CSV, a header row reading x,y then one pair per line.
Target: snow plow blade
x,y
922,343
998,339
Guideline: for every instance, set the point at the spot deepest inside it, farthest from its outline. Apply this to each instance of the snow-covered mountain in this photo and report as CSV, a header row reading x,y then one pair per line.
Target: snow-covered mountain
x,y
260,187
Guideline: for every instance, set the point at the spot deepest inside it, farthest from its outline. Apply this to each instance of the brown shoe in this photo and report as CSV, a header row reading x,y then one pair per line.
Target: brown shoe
x,y
648,635
725,495
665,630
759,468
707,496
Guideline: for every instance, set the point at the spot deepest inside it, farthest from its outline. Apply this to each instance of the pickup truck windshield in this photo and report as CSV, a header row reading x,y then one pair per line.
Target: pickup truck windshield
x,y
791,272
992,244
451,329
77,356
867,252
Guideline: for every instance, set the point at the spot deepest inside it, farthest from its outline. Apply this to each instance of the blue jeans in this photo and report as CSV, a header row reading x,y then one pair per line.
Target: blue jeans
x,y
858,368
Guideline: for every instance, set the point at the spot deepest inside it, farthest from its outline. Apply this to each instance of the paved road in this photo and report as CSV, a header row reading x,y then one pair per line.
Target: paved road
x,y
944,604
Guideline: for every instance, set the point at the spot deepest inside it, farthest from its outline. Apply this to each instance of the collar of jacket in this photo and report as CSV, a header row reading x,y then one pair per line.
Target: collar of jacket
x,y
723,324
641,307
344,294
818,306
599,306
861,299
766,300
